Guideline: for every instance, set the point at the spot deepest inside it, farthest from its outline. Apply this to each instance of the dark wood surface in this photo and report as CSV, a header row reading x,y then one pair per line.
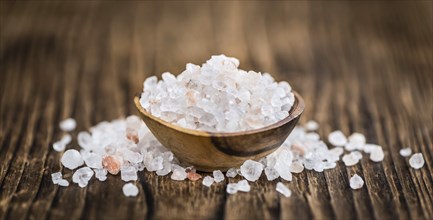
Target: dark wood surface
x,y
360,66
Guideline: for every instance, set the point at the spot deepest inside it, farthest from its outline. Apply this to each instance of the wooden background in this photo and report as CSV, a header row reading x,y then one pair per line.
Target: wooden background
x,y
360,66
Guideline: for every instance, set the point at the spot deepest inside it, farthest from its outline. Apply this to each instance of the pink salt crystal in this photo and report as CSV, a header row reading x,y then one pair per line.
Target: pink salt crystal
x,y
111,164
298,148
193,176
132,135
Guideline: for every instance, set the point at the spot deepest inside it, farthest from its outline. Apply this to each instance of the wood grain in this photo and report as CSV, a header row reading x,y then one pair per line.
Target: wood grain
x,y
360,66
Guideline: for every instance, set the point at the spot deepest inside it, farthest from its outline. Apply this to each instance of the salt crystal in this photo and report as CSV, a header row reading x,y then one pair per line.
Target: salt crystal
x,y
156,164
63,182
356,182
337,138
84,139
232,188
296,167
68,124
357,154
416,161
128,173
179,174
368,148
93,160
357,140
243,186
377,154
193,176
59,146
405,152
251,170
218,176
231,173
111,164
165,170
101,174
350,159
130,190
82,176
271,173
56,177
283,189
208,181
311,125
71,159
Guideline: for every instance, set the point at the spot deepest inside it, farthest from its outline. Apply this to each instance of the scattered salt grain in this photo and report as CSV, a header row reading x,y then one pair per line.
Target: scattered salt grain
x,y
356,141
179,174
368,148
93,160
337,138
82,176
271,173
283,189
311,125
350,159
128,173
377,154
71,159
101,174
251,170
218,176
416,161
68,124
243,186
232,188
405,152
130,190
296,167
208,181
59,146
231,173
356,182
63,182
56,177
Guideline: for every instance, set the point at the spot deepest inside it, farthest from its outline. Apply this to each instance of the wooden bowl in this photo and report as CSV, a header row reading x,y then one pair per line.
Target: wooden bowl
x,y
208,151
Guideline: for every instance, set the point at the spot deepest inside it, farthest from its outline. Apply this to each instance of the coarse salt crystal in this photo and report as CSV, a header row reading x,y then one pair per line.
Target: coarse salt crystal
x,y
82,176
311,125
218,176
130,190
208,181
337,138
72,159
231,173
68,124
356,182
243,186
101,174
416,161
350,159
128,173
251,170
232,188
56,177
179,174
405,152
271,173
377,154
283,189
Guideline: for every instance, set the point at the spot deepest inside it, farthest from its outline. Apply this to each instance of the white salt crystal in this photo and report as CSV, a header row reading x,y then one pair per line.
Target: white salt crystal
x,y
283,189
377,154
231,173
337,138
357,154
368,148
128,173
296,167
93,160
350,159
311,125
357,140
84,139
232,188
156,164
243,186
329,165
63,182
68,124
82,176
179,174
71,159
208,181
218,176
251,170
66,139
165,170
56,177
59,146
130,190
356,182
416,161
405,152
101,174
271,173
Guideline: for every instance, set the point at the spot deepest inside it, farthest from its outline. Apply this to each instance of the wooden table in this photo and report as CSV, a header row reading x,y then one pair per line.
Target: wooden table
x,y
360,66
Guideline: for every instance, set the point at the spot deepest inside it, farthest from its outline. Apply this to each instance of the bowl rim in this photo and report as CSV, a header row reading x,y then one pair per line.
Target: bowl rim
x,y
294,112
